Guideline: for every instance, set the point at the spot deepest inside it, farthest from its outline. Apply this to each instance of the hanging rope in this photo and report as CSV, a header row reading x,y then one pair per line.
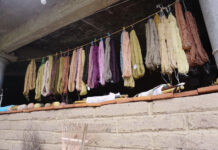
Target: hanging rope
x,y
138,68
30,78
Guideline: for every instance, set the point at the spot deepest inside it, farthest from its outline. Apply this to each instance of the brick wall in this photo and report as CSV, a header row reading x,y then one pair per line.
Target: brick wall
x,y
189,123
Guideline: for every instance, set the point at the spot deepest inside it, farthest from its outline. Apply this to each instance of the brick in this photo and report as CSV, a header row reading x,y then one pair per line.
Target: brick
x,y
3,117
49,137
11,135
203,120
133,140
19,116
43,115
151,123
205,140
5,125
101,148
125,109
50,146
87,112
186,104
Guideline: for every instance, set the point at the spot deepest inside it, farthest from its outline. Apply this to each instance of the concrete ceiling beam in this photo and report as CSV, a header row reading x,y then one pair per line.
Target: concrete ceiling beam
x,y
62,14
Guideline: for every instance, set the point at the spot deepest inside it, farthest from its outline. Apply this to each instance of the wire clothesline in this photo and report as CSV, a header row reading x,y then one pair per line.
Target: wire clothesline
x,y
104,37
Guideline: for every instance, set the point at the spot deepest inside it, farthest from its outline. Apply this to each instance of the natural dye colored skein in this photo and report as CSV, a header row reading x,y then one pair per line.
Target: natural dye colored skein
x,y
107,58
90,73
45,90
71,83
101,62
30,78
65,73
170,49
165,63
39,82
182,63
60,76
152,59
201,53
138,68
156,20
114,64
126,60
184,33
54,76
121,55
79,70
83,86
95,66
86,65
126,53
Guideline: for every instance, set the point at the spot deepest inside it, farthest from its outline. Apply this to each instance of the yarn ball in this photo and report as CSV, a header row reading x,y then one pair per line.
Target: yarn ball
x,y
30,106
22,107
47,105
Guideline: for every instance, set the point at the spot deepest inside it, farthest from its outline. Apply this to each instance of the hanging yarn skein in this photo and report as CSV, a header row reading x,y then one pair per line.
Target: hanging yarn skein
x,y
170,49
86,65
114,64
54,76
39,82
71,83
65,74
107,59
79,70
138,68
183,30
101,62
45,87
152,59
182,63
30,78
83,85
90,73
95,66
60,76
165,62
126,60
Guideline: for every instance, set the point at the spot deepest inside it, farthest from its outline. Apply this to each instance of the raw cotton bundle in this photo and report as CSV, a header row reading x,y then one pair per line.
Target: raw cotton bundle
x,y
201,53
65,73
80,70
90,73
39,82
60,76
183,30
182,62
86,65
95,66
46,76
107,58
113,63
54,76
138,68
101,62
30,78
152,59
165,62
71,83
